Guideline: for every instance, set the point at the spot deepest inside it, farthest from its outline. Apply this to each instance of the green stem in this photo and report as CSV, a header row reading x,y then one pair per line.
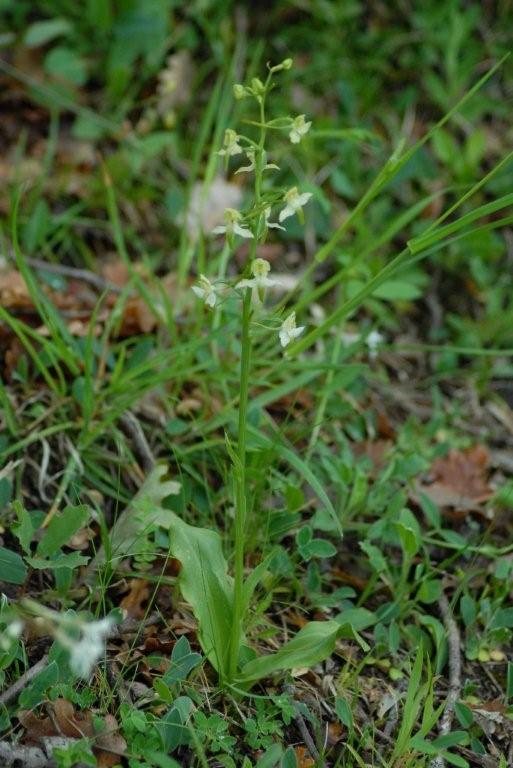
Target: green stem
x,y
240,487
240,469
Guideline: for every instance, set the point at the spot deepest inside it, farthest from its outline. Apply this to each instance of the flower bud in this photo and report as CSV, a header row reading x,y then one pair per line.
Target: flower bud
x,y
257,86
239,91
286,63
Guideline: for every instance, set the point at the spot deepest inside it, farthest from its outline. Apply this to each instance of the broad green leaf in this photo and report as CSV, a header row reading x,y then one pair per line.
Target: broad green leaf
x,y
65,63
61,529
173,729
205,585
12,568
312,644
357,618
42,32
429,591
183,660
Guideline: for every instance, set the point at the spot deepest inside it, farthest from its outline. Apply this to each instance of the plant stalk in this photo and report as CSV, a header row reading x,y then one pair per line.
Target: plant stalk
x,y
240,486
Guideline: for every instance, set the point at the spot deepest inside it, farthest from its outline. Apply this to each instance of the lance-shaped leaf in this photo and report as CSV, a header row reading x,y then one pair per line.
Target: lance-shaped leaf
x,y
205,585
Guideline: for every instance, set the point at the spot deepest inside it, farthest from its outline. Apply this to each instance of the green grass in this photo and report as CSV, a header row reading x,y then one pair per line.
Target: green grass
x,y
407,233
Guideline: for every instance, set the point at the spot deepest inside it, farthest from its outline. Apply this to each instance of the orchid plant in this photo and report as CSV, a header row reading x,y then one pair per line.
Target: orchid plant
x,y
220,602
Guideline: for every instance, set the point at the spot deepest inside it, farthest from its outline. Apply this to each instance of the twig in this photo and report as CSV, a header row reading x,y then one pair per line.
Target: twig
x,y
454,642
34,757
300,722
85,275
22,681
132,428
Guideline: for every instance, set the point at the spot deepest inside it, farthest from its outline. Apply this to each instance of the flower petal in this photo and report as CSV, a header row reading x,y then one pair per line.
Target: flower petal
x,y
286,213
242,231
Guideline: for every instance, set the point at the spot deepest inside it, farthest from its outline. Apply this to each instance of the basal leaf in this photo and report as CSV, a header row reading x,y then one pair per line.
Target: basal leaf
x,y
205,585
312,644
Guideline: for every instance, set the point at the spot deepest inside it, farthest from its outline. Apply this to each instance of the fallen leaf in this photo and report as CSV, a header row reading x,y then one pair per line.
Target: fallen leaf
x,y
65,720
459,480
304,758
134,603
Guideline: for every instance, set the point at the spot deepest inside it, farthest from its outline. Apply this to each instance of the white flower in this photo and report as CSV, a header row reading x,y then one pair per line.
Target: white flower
x,y
14,629
373,340
250,153
232,226
271,224
299,129
259,269
288,330
205,291
231,143
294,202
85,653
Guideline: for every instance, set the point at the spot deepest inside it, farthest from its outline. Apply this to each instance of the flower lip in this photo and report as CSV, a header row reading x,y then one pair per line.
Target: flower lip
x,y
294,202
232,226
299,129
205,291
289,331
260,268
231,144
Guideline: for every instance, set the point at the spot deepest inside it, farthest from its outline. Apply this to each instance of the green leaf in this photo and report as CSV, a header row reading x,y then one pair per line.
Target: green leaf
x,y
183,660
205,585
397,290
289,759
344,713
42,32
69,560
321,548
450,740
357,618
312,644
12,568
430,591
503,619
62,528
23,529
464,714
173,729
65,63
34,693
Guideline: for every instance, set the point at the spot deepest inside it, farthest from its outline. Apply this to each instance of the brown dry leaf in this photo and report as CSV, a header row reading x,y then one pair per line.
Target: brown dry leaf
x,y
14,293
137,318
304,758
459,480
134,602
66,721
110,744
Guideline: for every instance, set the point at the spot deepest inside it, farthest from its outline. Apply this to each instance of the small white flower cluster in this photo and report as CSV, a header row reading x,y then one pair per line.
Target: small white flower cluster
x,y
260,269
87,651
255,226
